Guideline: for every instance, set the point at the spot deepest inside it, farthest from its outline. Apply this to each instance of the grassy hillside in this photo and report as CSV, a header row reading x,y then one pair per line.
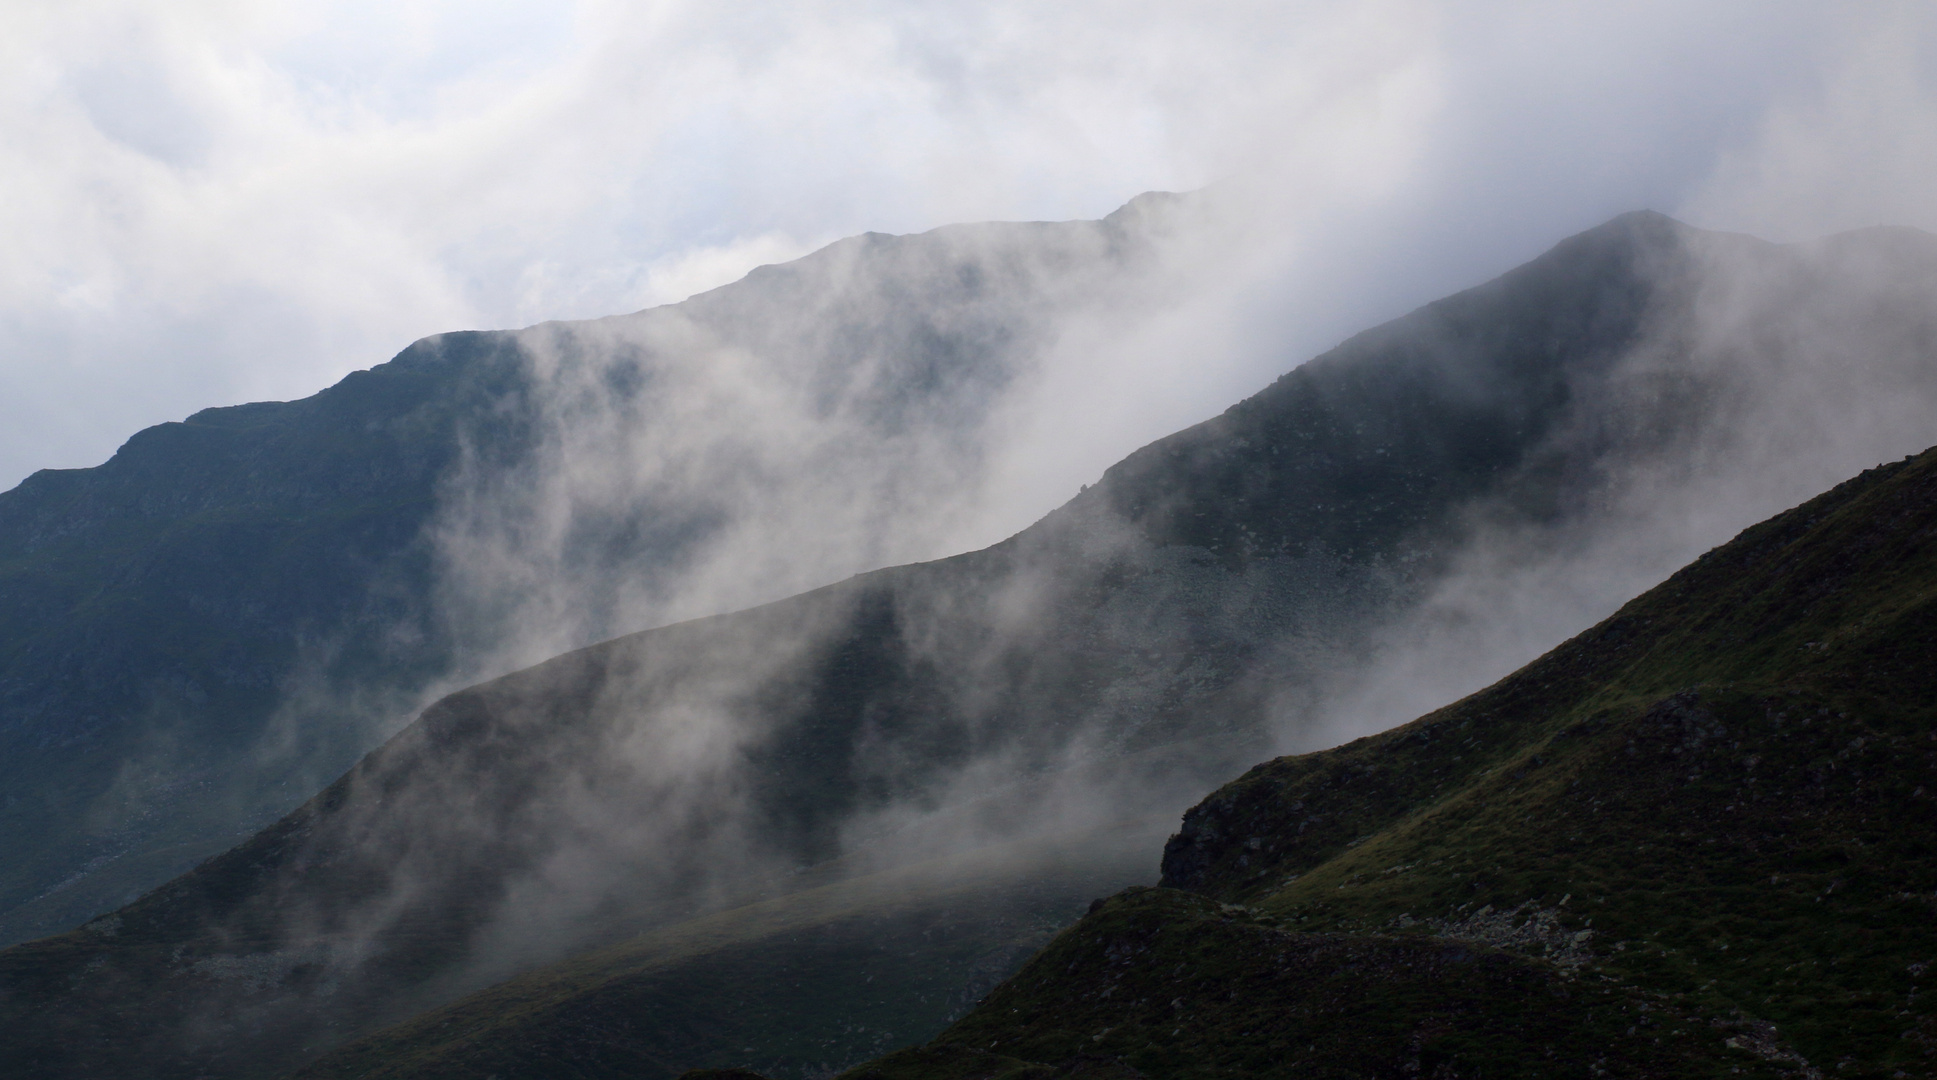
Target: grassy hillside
x,y
1698,839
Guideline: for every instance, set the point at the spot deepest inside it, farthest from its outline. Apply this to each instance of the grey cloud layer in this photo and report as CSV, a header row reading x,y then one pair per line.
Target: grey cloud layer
x,y
223,201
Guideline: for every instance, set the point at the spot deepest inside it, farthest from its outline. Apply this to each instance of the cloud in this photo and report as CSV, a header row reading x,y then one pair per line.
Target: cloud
x,y
1853,146
220,201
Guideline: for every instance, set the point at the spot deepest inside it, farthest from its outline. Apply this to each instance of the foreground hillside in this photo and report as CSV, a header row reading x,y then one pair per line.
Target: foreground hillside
x,y
1698,839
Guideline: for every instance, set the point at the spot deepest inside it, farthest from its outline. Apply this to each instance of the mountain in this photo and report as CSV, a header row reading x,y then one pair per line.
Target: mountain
x,y
1694,840
1582,419
799,985
200,633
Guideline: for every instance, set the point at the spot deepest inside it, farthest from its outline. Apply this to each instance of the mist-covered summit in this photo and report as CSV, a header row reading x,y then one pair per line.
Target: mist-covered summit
x,y
199,633
1404,517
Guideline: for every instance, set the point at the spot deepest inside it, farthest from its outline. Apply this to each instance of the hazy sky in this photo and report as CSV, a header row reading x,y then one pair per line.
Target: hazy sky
x,y
206,202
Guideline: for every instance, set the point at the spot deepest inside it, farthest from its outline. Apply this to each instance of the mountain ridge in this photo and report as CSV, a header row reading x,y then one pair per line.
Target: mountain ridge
x,y
214,622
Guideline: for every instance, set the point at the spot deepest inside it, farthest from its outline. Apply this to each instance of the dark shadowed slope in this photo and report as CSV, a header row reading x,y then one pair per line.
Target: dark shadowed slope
x,y
153,611
200,633
1105,663
797,986
1696,840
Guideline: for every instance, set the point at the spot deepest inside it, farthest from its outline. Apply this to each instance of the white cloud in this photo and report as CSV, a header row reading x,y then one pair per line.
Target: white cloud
x,y
217,201
1854,146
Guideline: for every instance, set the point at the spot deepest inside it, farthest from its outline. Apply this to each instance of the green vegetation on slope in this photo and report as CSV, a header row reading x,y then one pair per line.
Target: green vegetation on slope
x,y
1172,984
1697,839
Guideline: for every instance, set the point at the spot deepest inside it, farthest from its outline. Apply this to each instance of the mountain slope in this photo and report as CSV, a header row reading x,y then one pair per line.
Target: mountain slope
x,y
798,985
1693,840
1167,624
201,632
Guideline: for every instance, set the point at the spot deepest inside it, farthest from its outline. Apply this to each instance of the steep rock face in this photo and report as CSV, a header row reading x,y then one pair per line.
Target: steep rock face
x,y
1693,840
202,631
1122,652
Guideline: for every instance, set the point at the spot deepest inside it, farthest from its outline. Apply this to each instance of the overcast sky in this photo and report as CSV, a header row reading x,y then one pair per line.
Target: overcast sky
x,y
207,202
